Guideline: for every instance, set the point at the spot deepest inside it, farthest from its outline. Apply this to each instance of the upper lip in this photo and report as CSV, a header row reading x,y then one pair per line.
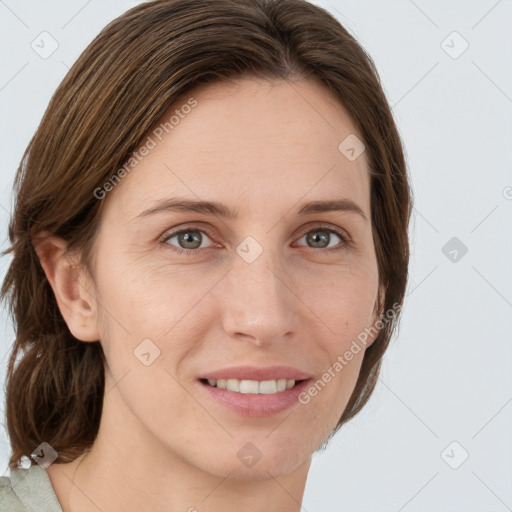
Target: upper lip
x,y
254,373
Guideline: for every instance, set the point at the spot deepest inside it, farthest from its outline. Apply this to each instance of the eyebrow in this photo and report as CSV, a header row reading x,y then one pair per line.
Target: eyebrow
x,y
219,209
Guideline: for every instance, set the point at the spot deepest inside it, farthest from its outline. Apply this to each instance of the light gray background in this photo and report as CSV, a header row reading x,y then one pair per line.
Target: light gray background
x,y
447,375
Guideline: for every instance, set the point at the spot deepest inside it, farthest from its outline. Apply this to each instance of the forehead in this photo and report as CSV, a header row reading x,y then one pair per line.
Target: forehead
x,y
246,140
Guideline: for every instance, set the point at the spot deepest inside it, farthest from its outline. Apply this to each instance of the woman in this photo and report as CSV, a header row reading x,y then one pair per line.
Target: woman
x,y
210,252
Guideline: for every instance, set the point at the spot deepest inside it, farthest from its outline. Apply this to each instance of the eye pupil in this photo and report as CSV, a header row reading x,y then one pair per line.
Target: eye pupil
x,y
185,238
314,238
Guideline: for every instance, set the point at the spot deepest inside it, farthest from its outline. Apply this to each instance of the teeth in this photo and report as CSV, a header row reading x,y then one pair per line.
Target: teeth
x,y
253,387
267,387
233,385
249,386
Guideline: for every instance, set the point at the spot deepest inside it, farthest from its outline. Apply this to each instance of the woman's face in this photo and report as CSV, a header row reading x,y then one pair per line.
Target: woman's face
x,y
269,292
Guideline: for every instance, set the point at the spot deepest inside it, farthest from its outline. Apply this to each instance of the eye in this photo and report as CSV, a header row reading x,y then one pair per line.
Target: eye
x,y
321,238
189,240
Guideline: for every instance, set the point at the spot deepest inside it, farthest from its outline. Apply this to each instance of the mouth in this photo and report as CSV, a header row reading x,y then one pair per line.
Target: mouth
x,y
255,392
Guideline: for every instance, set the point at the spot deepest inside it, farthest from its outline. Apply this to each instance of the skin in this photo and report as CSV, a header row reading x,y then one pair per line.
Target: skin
x,y
264,149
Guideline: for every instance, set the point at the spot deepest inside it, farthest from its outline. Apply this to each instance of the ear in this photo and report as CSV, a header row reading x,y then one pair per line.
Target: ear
x,y
378,311
71,286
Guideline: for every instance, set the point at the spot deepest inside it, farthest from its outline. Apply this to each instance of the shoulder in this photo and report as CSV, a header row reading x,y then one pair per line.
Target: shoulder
x,y
28,489
9,501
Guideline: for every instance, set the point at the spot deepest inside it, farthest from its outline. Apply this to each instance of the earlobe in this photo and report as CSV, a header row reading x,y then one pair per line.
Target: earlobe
x,y
68,281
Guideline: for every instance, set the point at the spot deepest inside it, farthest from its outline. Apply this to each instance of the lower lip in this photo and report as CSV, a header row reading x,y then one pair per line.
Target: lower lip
x,y
256,405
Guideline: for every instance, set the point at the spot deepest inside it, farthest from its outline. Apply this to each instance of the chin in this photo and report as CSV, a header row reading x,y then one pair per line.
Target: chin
x,y
263,469
259,457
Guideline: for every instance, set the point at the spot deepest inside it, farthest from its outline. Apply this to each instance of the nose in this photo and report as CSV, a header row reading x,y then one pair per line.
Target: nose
x,y
260,305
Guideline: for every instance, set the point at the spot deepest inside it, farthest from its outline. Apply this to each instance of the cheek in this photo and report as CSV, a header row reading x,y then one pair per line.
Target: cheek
x,y
344,307
151,295
343,299
159,304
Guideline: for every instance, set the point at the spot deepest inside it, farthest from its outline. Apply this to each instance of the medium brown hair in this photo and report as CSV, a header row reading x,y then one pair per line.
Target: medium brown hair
x,y
120,86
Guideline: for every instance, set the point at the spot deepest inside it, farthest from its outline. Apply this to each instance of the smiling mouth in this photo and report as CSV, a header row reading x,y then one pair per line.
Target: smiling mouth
x,y
252,387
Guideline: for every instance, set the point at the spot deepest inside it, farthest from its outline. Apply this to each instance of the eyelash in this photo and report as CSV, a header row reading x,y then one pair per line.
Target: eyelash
x,y
346,242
